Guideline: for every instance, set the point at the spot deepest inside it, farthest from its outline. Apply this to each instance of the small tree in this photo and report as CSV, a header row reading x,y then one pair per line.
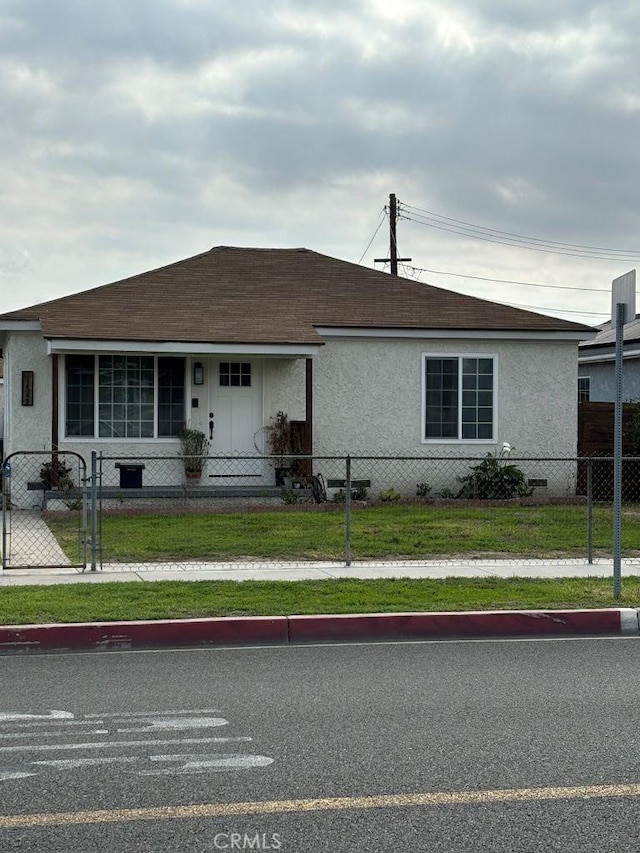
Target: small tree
x,y
279,440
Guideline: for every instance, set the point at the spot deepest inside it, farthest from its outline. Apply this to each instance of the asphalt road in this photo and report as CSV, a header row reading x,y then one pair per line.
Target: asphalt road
x,y
466,746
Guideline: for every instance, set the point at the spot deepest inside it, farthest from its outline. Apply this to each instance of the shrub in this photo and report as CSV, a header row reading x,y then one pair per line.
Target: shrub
x,y
390,495
494,479
422,490
359,494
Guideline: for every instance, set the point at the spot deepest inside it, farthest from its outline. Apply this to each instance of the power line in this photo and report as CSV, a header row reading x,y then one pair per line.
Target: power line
x,y
548,308
506,280
461,228
383,213
557,310
429,215
515,245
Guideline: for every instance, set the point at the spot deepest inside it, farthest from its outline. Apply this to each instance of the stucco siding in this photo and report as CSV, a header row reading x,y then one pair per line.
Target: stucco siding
x,y
368,401
29,427
284,388
602,384
368,397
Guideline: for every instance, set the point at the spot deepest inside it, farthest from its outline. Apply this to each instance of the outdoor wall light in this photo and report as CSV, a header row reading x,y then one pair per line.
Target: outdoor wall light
x,y
198,373
27,387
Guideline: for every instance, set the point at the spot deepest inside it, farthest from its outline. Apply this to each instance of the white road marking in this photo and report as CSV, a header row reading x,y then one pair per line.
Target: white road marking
x,y
123,715
16,735
5,775
66,723
114,744
74,763
19,726
206,764
177,723
298,646
9,716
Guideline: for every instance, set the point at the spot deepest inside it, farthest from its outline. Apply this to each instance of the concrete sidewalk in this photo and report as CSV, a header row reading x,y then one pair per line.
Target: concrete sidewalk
x,y
300,570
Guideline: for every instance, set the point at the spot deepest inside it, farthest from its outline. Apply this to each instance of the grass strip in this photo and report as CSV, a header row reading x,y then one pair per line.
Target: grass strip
x,y
108,602
409,531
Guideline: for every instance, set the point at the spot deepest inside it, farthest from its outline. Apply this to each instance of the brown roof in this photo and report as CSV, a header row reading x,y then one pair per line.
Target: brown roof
x,y
232,295
606,337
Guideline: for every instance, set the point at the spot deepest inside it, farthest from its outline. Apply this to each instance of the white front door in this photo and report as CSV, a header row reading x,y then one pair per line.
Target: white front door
x,y
236,412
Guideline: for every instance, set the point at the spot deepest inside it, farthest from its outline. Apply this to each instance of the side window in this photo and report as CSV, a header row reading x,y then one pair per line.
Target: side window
x,y
584,389
459,397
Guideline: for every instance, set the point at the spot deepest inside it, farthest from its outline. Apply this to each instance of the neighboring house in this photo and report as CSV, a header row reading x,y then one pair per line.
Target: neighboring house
x,y
597,355
596,365
1,406
372,364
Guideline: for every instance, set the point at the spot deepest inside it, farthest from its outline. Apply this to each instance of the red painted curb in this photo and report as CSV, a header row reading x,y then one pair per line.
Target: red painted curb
x,y
280,630
499,623
126,635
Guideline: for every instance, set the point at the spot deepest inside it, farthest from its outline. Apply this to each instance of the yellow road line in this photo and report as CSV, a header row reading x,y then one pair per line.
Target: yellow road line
x,y
384,801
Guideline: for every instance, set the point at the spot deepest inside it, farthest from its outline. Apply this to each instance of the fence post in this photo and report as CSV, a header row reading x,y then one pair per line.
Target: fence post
x,y
85,512
94,510
6,507
347,510
590,511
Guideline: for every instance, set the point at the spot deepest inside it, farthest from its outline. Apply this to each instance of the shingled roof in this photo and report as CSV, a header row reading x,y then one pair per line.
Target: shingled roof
x,y
235,295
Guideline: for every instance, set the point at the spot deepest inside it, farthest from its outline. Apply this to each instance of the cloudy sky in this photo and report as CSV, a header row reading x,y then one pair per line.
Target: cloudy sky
x,y
135,134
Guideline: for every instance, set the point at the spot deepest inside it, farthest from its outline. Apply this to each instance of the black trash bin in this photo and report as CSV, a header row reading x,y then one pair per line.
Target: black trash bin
x,y
130,475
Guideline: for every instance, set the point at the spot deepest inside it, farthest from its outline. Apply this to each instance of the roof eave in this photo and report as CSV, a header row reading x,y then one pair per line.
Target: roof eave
x,y
471,334
271,349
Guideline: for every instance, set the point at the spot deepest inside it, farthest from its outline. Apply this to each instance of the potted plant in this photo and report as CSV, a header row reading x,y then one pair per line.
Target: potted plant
x,y
56,475
279,440
195,449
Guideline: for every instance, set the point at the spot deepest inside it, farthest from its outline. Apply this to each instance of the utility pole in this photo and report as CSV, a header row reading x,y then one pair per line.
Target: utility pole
x,y
393,243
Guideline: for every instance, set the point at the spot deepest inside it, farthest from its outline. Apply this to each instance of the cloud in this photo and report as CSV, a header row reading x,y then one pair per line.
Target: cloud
x,y
135,134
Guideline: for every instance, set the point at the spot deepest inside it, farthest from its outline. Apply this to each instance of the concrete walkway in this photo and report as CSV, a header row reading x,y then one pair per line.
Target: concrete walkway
x,y
295,571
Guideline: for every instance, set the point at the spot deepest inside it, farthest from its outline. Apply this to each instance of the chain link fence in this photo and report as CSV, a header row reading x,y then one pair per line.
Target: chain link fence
x,y
31,483
155,511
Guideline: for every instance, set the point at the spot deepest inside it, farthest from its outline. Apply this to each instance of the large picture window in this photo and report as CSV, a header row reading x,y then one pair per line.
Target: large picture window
x,y
133,396
459,397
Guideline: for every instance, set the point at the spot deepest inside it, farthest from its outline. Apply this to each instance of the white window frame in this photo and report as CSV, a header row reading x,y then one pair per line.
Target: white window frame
x,y
459,439
588,380
62,410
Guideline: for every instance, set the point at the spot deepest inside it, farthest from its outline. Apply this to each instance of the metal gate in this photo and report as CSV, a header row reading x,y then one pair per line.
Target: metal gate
x,y
44,510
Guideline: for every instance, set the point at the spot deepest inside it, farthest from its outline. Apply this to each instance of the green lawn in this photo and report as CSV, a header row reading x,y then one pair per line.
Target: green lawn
x,y
190,599
406,530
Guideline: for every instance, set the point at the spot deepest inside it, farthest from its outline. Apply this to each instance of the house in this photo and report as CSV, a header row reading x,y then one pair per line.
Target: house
x,y
1,406
369,364
597,355
596,364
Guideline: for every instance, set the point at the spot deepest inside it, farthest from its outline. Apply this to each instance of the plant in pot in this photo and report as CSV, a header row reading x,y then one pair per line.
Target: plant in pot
x,y
279,440
56,475
195,449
